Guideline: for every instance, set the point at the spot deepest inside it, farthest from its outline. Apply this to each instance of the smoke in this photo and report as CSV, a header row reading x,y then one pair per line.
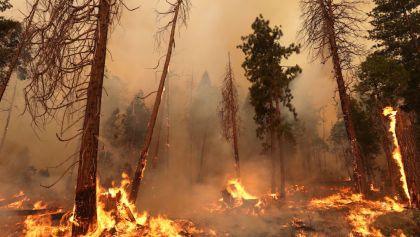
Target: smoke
x,y
214,29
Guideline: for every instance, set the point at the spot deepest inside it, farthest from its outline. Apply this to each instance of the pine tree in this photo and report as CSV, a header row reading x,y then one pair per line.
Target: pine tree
x,y
269,84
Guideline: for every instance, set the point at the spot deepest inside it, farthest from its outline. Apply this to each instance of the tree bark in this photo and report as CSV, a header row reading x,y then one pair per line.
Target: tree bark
x,y
281,157
273,162
85,200
234,123
141,166
15,60
410,158
359,172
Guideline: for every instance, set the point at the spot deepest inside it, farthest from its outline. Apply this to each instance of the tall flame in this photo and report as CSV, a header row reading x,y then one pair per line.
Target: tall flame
x,y
396,154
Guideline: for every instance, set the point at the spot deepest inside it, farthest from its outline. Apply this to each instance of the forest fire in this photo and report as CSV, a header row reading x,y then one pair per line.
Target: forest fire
x,y
286,136
396,154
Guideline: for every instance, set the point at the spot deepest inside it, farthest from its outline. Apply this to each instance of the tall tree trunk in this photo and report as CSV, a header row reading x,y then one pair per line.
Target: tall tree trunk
x,y
168,127
359,172
281,157
15,60
85,201
234,121
410,158
273,162
141,166
9,115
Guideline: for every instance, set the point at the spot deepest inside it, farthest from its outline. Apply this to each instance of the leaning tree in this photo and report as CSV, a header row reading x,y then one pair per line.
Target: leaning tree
x,y
178,12
229,113
330,29
68,44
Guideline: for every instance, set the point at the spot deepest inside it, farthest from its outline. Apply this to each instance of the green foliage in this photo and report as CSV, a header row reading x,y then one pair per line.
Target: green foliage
x,y
270,80
4,5
366,132
10,32
396,29
382,78
127,130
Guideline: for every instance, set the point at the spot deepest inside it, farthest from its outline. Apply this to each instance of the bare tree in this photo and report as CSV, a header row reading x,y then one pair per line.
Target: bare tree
x,y
229,113
330,29
23,43
179,12
67,43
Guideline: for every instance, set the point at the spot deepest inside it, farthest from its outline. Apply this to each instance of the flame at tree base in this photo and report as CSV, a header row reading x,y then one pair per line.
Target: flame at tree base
x,y
117,216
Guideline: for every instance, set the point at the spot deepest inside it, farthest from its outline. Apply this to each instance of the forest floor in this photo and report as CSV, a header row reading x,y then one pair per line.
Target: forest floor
x,y
307,211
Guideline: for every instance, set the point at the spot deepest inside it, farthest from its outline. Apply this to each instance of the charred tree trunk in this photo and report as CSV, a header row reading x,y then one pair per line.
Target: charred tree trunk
x,y
359,172
410,158
15,60
9,115
85,201
141,166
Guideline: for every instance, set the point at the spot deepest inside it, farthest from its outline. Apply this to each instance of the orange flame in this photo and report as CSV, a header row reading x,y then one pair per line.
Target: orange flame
x,y
396,154
122,219
238,191
362,213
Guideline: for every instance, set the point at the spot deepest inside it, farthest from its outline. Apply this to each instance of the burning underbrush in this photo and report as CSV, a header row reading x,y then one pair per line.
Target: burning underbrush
x,y
304,212
236,199
363,215
116,217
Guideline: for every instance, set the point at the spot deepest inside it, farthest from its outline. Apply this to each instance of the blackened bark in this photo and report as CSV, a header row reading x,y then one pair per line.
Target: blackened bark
x,y
85,201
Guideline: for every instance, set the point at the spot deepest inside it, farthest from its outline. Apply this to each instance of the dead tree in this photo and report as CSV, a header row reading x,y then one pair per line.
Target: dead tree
x,y
229,113
69,42
330,29
179,12
23,43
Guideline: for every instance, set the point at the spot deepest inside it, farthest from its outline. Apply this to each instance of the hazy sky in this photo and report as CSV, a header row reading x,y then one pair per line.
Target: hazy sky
x,y
214,29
